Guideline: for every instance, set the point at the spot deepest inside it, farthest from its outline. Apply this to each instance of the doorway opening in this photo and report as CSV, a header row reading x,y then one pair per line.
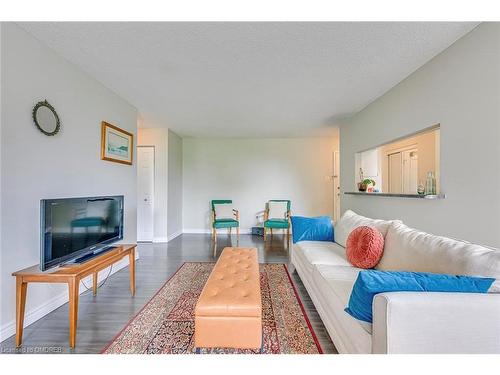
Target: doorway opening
x,y
402,166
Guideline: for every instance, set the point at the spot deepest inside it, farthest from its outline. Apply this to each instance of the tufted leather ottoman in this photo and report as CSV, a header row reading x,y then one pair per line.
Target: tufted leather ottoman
x,y
229,311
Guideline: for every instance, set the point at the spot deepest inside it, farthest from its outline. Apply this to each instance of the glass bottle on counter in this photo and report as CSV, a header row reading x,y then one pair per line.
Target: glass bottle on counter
x,y
430,184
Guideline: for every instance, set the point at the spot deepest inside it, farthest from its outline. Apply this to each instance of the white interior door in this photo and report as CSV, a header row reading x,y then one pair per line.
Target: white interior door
x,y
395,173
145,192
410,171
336,186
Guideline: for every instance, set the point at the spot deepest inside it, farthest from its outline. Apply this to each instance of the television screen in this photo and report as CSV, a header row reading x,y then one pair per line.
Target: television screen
x,y
75,227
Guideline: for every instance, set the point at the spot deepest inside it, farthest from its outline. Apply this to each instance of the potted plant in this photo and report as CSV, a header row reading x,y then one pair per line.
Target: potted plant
x,y
363,185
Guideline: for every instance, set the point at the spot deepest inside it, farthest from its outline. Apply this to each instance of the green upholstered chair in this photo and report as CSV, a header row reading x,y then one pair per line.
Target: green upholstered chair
x,y
226,222
281,221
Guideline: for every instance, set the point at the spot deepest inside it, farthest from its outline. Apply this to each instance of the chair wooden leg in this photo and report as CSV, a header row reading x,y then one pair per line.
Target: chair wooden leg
x,y
264,234
214,233
238,235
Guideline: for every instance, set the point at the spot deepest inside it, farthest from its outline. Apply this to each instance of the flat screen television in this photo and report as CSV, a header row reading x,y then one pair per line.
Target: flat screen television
x,y
74,228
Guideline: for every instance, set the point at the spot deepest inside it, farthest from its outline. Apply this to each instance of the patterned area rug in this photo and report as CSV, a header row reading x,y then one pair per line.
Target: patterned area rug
x,y
165,325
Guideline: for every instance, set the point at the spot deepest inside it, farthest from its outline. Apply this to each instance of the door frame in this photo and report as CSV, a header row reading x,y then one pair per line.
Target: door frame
x,y
406,168
153,193
389,173
398,150
336,185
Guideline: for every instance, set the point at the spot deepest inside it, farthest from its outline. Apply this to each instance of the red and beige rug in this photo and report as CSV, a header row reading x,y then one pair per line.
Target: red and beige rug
x,y
166,323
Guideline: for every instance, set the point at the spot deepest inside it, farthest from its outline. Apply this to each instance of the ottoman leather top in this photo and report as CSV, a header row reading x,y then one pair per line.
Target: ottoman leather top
x,y
233,287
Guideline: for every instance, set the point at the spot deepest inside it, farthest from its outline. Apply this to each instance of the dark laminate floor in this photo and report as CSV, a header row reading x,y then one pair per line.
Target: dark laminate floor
x,y
100,318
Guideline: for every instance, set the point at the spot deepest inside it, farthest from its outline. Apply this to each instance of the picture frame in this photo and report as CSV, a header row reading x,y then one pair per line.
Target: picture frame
x,y
117,145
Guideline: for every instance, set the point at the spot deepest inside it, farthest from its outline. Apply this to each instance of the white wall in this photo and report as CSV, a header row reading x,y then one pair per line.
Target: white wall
x,y
252,171
34,166
158,137
1,183
460,89
174,226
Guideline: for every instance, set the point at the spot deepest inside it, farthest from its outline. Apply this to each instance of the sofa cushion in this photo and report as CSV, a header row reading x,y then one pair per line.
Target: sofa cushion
x,y
223,211
276,224
339,281
323,252
371,282
278,210
340,273
351,220
407,249
311,253
225,223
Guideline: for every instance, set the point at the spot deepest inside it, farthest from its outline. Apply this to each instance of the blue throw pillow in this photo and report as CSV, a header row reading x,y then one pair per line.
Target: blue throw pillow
x,y
312,228
372,282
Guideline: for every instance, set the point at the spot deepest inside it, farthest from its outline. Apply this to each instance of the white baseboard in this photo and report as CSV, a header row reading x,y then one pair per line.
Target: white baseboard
x,y
167,239
159,240
196,231
219,231
174,235
9,328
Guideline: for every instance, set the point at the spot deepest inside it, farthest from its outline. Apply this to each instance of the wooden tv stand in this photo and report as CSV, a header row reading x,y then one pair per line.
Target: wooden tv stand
x,y
70,274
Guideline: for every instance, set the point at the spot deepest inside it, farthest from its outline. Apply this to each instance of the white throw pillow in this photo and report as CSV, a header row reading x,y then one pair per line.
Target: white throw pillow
x,y
408,249
277,210
224,211
351,220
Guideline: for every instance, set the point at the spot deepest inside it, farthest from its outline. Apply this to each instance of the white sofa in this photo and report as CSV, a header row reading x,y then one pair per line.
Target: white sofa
x,y
403,322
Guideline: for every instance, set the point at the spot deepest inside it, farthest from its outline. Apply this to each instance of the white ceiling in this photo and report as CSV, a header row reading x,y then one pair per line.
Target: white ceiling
x,y
248,79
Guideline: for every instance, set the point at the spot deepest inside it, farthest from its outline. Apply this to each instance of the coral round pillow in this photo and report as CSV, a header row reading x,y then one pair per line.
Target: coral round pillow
x,y
365,246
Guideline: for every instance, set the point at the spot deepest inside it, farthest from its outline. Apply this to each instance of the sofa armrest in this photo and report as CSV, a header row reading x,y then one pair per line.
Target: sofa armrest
x,y
420,322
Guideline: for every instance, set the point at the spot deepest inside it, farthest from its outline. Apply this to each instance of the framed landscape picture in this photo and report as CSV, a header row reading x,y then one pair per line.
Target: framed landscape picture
x,y
116,144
